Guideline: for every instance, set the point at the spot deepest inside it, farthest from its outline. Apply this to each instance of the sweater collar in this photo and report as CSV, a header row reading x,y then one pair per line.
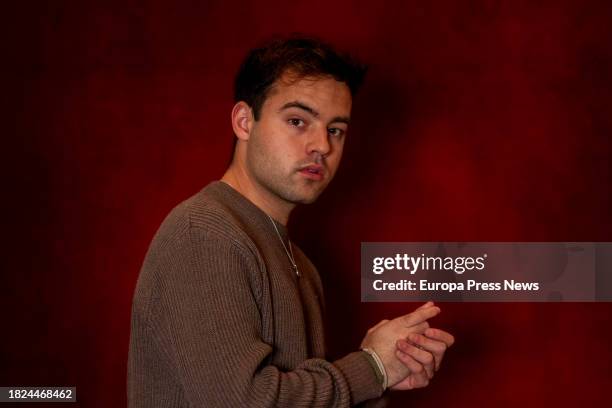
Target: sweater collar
x,y
247,207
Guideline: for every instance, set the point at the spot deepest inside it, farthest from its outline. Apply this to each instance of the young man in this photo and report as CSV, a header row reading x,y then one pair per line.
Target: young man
x,y
227,310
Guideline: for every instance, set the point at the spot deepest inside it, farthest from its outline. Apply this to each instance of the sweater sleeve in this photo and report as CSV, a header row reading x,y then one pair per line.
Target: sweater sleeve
x,y
206,321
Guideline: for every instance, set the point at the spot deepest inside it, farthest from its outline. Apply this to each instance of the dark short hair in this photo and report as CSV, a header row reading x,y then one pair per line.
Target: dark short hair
x,y
299,55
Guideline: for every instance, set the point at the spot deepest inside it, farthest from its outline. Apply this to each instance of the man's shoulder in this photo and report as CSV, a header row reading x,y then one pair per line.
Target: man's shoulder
x,y
200,224
204,215
198,229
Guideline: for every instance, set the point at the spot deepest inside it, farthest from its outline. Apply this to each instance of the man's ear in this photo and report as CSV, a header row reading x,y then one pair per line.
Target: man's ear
x,y
242,120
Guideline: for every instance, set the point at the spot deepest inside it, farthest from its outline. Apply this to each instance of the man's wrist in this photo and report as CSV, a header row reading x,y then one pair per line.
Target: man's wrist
x,y
377,366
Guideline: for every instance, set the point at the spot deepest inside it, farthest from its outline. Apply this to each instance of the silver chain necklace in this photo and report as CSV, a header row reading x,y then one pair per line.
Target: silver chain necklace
x,y
289,255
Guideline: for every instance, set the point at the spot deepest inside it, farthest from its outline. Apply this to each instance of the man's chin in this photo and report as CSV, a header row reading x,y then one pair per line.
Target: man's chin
x,y
308,200
305,198
302,193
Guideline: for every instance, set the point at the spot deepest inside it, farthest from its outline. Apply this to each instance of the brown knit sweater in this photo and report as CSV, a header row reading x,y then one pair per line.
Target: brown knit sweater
x,y
220,319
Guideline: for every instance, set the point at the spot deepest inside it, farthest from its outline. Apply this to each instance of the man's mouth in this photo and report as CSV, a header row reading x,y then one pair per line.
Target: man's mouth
x,y
313,172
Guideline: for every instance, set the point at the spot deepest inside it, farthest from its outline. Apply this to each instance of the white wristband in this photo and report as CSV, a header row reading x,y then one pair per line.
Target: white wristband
x,y
380,365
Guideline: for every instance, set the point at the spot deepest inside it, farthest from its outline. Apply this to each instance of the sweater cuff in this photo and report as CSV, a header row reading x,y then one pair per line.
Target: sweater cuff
x,y
360,376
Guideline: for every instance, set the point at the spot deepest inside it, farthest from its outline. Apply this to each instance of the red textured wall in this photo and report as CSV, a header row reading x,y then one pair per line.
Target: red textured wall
x,y
479,121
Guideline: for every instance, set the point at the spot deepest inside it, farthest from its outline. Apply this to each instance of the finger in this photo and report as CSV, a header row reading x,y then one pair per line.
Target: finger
x,y
420,381
422,356
411,382
413,366
417,328
426,305
440,335
419,315
435,347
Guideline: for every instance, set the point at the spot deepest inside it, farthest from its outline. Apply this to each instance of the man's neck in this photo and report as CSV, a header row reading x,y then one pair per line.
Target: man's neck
x,y
271,205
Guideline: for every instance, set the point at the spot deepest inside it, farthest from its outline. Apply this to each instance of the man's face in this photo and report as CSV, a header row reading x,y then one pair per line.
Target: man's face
x,y
295,147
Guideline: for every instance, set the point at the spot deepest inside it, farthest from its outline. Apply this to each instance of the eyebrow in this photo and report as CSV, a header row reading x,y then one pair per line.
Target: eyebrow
x,y
312,111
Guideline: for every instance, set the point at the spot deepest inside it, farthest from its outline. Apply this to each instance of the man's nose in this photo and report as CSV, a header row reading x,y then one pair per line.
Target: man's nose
x,y
319,142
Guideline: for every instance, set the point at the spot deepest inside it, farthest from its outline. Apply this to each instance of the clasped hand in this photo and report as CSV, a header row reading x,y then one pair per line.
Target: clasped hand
x,y
409,349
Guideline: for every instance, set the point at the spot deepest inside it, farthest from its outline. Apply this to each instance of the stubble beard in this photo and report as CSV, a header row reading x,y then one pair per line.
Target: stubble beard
x,y
288,185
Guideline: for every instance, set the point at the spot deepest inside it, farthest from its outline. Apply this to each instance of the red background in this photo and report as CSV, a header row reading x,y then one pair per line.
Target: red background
x,y
479,121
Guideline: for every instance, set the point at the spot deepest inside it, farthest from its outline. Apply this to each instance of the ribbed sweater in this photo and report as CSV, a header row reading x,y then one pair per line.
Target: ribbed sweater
x,y
220,318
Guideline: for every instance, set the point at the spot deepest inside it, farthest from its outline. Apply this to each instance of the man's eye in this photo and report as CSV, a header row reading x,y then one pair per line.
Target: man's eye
x,y
296,122
335,132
